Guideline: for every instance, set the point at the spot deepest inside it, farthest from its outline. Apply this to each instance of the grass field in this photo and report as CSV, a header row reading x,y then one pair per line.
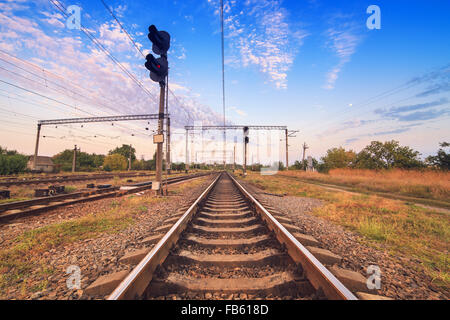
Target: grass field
x,y
433,185
401,227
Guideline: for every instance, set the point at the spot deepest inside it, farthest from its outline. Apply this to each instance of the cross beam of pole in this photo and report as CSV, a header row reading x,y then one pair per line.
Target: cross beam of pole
x,y
102,119
235,127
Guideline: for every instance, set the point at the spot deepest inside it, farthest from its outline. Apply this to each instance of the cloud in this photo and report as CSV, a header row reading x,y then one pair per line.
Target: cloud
x,y
239,112
55,19
259,34
349,141
415,112
396,131
84,65
343,39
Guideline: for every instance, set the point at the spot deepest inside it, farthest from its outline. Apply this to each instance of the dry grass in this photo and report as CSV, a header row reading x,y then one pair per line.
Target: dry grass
x,y
401,227
420,184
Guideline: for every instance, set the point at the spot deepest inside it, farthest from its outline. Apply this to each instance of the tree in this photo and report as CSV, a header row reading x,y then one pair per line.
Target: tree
x,y
12,162
124,150
338,158
85,161
442,159
387,155
115,162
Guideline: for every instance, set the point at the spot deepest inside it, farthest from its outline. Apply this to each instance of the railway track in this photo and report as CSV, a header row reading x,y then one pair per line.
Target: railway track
x,y
61,179
227,243
15,210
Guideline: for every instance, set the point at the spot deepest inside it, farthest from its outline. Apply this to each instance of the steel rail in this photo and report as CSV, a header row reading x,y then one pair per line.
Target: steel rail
x,y
134,285
34,206
315,271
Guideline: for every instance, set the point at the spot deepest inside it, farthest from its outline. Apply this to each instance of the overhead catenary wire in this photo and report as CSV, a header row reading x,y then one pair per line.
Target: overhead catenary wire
x,y
58,76
181,105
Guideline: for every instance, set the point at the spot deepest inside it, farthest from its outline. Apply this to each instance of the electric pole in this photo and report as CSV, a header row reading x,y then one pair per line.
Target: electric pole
x,y
74,160
129,159
305,147
37,147
287,149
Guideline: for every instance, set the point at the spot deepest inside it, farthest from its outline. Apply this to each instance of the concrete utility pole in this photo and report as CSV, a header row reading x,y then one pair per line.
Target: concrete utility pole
x,y
287,149
305,147
129,158
234,157
159,150
74,160
36,149
187,154
169,163
245,158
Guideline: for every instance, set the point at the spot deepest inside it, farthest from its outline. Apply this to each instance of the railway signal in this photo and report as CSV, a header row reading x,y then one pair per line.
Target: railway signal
x,y
159,70
246,141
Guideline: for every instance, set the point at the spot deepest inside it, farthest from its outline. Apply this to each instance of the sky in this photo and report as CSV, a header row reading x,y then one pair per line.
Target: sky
x,y
313,66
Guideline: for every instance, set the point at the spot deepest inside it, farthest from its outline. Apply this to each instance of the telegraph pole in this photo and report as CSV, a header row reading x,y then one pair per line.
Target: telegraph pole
x,y
74,160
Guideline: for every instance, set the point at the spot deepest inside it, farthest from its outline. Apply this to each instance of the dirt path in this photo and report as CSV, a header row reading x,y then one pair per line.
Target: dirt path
x,y
415,201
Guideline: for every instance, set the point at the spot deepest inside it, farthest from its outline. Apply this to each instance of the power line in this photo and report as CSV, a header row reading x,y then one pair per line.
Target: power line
x,y
63,10
19,75
123,29
181,105
223,81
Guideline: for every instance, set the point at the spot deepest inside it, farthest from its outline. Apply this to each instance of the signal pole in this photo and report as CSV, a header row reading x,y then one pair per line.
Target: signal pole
x,y
159,150
159,70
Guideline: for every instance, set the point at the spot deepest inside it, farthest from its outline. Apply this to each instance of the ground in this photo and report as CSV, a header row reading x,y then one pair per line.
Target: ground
x,y
410,242
35,253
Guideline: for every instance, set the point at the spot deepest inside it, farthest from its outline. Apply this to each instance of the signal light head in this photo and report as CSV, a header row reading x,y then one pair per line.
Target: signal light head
x,y
160,40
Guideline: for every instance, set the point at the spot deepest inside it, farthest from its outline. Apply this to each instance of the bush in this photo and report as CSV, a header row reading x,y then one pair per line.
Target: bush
x,y
115,162
12,164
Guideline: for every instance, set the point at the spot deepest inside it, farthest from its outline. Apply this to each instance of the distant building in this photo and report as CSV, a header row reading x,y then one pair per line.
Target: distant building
x,y
44,164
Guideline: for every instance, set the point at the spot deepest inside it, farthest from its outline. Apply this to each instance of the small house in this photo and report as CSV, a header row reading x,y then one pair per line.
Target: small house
x,y
44,164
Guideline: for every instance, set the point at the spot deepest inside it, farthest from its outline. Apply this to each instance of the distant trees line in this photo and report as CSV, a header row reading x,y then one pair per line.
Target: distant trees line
x,y
377,155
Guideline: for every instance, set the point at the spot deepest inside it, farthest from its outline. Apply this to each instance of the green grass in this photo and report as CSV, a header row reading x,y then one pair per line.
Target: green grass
x,y
24,256
3,201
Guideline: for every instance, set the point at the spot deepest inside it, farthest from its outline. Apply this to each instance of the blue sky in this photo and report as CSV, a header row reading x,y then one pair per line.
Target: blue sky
x,y
311,65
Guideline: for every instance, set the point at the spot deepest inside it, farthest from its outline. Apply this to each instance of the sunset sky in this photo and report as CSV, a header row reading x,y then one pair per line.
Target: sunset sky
x,y
313,66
